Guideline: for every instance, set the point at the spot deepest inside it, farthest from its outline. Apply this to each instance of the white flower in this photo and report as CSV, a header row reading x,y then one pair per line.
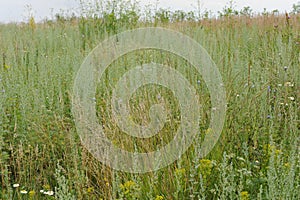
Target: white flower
x,y
50,193
16,185
279,85
289,84
292,98
41,191
23,192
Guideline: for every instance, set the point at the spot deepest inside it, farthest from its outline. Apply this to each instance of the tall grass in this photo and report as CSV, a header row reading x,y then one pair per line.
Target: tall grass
x,y
256,157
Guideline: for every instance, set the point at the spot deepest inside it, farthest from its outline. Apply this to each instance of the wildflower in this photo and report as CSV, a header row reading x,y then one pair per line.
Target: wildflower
x,y
129,189
279,85
208,131
198,82
292,98
46,187
106,182
6,67
16,185
90,190
287,165
277,152
206,163
23,192
289,84
41,191
50,193
128,184
180,172
244,195
205,168
31,193
32,23
158,197
269,88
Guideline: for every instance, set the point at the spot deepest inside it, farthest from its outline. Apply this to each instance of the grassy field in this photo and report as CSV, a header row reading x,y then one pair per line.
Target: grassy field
x,y
256,157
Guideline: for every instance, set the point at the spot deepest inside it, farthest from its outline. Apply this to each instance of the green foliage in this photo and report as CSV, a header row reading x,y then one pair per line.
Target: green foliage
x,y
62,190
296,8
257,155
229,10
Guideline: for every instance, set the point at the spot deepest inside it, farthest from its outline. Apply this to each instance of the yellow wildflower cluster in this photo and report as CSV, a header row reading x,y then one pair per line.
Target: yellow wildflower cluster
x,y
159,197
90,190
32,24
31,194
129,189
180,172
208,131
269,149
205,168
244,195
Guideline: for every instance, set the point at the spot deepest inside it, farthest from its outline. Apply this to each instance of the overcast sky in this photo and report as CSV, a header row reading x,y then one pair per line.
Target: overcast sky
x,y
15,10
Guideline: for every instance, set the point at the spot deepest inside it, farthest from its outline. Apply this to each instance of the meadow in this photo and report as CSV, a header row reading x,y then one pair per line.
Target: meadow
x,y
256,157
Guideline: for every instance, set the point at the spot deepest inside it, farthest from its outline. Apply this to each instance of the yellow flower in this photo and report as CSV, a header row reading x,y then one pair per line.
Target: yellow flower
x,y
90,190
180,172
287,165
106,182
6,67
208,131
129,189
32,23
46,187
206,163
158,197
244,195
277,152
127,185
31,193
205,168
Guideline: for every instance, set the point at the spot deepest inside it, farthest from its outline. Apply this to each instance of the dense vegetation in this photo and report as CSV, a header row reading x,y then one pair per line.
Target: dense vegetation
x,y
256,157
